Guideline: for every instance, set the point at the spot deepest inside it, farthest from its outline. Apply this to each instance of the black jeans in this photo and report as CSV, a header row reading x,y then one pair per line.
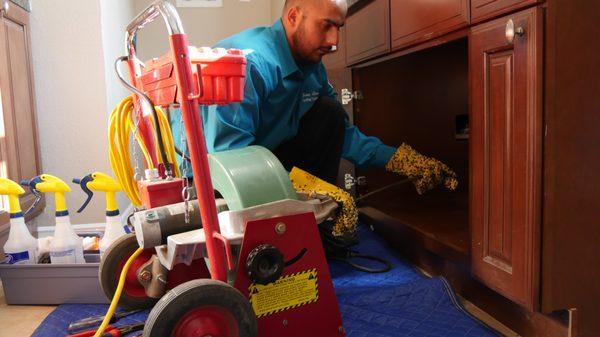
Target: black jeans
x,y
317,147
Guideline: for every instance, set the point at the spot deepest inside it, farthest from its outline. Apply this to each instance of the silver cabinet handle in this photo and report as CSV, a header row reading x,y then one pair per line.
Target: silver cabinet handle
x,y
511,31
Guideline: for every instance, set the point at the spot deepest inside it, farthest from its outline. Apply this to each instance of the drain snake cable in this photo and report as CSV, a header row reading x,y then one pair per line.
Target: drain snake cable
x,y
117,296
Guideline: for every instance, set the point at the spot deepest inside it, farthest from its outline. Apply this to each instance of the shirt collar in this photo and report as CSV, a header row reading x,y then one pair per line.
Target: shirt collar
x,y
284,53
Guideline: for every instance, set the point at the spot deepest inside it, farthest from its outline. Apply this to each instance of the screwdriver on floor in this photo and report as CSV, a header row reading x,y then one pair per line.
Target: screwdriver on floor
x,y
112,331
94,321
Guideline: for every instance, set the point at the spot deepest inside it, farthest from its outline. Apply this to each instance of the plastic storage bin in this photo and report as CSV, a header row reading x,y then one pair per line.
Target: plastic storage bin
x,y
50,284
218,72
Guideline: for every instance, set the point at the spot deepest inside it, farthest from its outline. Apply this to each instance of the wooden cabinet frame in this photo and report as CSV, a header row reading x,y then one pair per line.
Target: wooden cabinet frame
x,y
413,23
19,148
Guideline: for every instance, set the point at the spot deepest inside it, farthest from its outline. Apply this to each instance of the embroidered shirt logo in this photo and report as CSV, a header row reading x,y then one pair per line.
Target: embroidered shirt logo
x,y
308,97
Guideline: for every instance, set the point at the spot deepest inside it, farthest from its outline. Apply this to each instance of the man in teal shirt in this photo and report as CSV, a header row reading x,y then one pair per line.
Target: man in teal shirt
x,y
290,108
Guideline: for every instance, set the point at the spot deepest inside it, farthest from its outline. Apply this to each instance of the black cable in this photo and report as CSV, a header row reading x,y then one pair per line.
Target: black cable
x,y
180,153
338,248
161,146
382,189
352,254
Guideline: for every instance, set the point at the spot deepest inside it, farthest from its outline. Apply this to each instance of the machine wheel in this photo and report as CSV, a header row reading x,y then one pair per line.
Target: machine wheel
x,y
112,262
202,307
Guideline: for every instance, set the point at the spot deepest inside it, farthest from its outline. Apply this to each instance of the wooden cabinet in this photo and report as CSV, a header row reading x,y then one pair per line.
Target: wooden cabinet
x,y
337,59
570,273
340,77
19,148
368,32
499,262
485,9
414,21
505,155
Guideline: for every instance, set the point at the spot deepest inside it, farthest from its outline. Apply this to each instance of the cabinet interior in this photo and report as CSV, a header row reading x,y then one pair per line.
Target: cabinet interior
x,y
421,99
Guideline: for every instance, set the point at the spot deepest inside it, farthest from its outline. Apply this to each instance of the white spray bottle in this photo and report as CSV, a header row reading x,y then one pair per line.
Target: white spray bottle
x,y
101,182
66,246
21,247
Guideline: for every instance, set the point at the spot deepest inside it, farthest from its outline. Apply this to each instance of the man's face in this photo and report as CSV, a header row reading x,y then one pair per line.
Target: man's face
x,y
316,30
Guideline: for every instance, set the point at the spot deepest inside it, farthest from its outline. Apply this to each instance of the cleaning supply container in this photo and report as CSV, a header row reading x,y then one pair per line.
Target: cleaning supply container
x,y
53,284
66,247
102,182
21,247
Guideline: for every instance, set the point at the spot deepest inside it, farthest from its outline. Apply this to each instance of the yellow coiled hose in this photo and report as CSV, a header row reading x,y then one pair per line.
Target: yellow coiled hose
x,y
121,126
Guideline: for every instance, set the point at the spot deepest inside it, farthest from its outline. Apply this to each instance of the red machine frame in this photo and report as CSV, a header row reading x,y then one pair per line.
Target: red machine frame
x,y
188,94
301,239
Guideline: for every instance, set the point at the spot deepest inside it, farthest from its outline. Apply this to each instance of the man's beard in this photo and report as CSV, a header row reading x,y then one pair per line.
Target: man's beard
x,y
302,56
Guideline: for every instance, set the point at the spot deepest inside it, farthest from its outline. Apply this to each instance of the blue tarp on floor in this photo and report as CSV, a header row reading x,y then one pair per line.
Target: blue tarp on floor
x,y
401,302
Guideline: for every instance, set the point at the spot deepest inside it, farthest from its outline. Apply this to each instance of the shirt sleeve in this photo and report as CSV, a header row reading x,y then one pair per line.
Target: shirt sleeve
x,y
234,125
361,150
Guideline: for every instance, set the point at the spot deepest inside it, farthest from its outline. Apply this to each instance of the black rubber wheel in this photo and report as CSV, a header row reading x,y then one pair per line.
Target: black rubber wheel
x,y
202,307
111,264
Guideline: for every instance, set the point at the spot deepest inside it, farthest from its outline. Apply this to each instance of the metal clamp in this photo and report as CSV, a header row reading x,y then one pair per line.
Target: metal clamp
x,y
152,275
511,31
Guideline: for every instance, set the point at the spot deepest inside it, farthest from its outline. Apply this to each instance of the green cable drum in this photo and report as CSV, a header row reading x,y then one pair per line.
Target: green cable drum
x,y
249,177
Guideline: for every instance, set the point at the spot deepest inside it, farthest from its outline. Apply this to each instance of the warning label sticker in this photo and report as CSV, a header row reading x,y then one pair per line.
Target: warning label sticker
x,y
288,292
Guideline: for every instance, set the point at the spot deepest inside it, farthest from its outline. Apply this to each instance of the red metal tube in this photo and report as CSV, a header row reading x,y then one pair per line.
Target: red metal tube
x,y
198,154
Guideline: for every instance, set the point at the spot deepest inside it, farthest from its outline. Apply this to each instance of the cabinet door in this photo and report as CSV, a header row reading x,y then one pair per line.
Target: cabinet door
x,y
487,9
506,155
414,21
368,32
19,148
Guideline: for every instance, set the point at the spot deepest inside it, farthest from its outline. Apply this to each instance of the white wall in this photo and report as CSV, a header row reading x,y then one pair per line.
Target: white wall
x,y
115,16
276,9
75,90
204,26
74,45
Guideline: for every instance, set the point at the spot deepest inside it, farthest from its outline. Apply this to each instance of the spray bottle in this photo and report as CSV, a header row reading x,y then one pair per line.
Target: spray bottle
x,y
101,182
21,247
67,246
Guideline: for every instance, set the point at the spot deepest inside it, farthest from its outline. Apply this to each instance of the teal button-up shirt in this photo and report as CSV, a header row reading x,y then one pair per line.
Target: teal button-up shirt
x,y
277,93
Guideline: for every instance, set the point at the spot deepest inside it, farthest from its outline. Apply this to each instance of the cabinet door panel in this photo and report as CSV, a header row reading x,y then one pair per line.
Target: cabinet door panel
x,y
506,155
413,21
486,9
23,121
368,32
19,148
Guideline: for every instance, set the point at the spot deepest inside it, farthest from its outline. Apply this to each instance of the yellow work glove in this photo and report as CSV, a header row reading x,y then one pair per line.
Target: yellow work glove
x,y
426,173
347,216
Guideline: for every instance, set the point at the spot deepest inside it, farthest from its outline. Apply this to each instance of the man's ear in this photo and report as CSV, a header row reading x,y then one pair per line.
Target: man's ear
x,y
293,16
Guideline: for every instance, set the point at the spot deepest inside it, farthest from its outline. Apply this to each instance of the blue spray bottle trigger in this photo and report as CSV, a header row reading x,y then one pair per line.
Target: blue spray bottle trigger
x,y
83,184
31,183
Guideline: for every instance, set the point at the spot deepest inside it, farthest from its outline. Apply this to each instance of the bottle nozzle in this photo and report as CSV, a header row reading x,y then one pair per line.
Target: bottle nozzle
x,y
83,183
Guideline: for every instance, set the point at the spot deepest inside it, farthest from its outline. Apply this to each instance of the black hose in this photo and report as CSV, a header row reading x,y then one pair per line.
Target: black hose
x,y
180,153
161,146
